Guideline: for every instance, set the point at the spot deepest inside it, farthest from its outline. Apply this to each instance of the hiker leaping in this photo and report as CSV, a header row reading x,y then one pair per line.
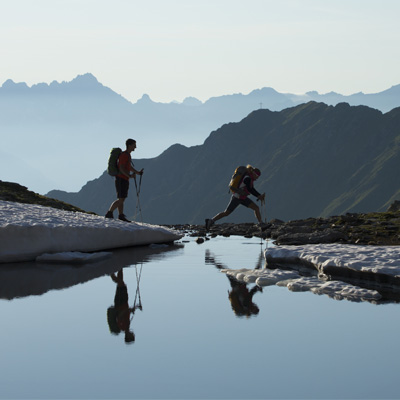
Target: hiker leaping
x,y
241,186
126,171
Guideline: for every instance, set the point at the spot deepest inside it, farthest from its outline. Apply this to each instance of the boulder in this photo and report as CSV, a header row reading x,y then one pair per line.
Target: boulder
x,y
325,236
395,206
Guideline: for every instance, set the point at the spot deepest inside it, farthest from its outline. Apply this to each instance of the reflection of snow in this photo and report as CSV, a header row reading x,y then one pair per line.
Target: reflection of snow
x,y
73,257
36,278
325,258
294,282
28,231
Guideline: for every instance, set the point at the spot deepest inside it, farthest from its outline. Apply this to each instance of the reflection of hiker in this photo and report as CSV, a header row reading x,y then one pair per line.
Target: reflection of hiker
x,y
126,171
119,316
240,196
241,298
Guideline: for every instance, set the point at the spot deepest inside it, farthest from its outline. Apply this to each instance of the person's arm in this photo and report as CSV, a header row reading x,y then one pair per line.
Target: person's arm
x,y
134,170
252,190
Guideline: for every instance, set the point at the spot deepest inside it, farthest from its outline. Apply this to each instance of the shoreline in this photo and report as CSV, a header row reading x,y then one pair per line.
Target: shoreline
x,y
377,229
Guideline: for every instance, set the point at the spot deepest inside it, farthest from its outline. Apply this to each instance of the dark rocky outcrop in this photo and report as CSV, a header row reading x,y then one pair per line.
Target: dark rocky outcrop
x,y
10,191
368,229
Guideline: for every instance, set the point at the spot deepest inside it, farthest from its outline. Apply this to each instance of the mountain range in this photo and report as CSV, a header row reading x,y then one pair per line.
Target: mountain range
x,y
316,160
58,135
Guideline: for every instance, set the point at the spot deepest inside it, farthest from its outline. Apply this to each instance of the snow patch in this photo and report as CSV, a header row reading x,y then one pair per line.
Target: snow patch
x,y
363,259
28,231
374,259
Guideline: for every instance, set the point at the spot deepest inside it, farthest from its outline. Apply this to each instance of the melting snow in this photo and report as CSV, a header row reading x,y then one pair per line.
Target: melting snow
x,y
28,231
376,259
363,259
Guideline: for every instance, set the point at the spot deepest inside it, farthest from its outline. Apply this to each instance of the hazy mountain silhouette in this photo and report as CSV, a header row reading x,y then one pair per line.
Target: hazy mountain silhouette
x,y
63,132
316,160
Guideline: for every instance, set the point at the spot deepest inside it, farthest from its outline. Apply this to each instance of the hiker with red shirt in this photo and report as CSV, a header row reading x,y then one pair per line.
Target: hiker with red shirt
x,y
122,315
247,188
126,171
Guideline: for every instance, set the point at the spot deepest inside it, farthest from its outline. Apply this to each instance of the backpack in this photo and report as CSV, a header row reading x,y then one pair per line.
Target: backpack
x,y
237,179
112,320
112,168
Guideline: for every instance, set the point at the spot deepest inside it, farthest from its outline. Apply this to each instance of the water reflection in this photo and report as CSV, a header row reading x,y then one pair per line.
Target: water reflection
x,y
33,278
240,297
120,315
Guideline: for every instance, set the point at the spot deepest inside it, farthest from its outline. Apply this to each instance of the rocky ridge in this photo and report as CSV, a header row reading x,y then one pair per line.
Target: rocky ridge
x,y
10,191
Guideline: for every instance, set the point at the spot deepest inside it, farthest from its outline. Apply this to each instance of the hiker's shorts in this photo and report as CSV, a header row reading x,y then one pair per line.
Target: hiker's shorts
x,y
121,296
122,186
235,202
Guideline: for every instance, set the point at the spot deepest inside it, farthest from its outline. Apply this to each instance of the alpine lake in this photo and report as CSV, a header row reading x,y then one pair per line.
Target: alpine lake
x,y
194,334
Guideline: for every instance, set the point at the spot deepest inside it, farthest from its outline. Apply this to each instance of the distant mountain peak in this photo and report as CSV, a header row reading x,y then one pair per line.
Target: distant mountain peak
x,y
86,80
10,84
145,99
264,91
192,101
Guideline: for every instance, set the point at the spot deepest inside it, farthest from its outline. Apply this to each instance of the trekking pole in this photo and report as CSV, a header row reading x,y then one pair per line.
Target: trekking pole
x,y
138,288
138,207
138,198
265,220
265,210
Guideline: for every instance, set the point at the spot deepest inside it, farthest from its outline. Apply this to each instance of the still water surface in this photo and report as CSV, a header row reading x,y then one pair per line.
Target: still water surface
x,y
189,343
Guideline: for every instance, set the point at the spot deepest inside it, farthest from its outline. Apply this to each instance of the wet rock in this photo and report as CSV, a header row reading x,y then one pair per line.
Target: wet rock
x,y
395,206
326,236
372,228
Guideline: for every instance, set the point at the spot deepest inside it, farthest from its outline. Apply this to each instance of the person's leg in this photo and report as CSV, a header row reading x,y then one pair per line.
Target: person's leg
x,y
115,205
256,210
120,206
220,215
233,203
122,186
119,203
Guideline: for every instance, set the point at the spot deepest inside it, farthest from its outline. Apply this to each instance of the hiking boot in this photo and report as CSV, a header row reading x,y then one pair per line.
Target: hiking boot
x,y
122,217
109,214
262,225
209,224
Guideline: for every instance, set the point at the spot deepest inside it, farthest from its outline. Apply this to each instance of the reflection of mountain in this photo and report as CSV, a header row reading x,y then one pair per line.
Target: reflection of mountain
x,y
316,160
68,128
32,279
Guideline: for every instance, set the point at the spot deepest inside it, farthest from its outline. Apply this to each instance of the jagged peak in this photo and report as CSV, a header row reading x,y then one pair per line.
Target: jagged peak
x,y
191,101
145,99
10,84
85,80
264,90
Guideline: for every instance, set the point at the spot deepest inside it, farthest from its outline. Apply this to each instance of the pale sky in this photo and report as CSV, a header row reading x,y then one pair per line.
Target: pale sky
x,y
172,49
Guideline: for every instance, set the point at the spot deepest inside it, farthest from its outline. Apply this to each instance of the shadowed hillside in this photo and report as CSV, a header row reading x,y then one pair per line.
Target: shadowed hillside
x,y
316,160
